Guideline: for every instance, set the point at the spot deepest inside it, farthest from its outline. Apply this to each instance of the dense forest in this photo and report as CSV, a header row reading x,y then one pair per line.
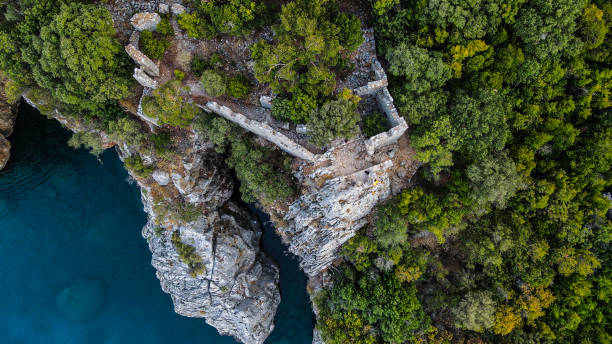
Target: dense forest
x,y
504,235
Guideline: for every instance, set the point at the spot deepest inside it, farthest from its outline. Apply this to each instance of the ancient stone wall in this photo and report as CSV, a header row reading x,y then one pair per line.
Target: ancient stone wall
x,y
261,129
385,103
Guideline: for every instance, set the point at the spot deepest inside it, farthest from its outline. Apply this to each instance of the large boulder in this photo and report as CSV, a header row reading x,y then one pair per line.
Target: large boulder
x,y
145,21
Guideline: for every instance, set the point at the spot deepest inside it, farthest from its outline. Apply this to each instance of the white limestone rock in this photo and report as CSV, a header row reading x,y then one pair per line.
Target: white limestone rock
x,y
145,21
266,102
161,177
178,9
164,8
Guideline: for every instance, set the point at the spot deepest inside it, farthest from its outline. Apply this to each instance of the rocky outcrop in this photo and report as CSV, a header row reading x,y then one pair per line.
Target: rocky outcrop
x,y
320,222
235,286
5,151
7,121
236,291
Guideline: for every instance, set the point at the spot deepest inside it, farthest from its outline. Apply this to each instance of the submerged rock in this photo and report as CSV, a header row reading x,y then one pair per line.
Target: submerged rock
x,y
82,301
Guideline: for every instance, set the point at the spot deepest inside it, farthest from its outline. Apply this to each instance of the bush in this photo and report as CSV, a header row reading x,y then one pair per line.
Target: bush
x,y
238,87
374,124
12,91
162,143
335,119
296,108
127,130
179,74
89,140
134,163
233,17
199,65
168,105
213,83
216,129
187,254
164,28
153,45
262,175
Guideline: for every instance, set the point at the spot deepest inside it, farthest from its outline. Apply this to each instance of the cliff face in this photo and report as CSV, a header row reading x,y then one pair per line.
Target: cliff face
x,y
205,248
237,289
7,120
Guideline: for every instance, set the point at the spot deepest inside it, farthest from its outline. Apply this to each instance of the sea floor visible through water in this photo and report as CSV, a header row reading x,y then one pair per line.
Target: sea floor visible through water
x,y
74,266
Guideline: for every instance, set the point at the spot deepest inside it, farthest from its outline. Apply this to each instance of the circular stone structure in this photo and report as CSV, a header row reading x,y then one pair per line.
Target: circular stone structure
x,y
82,301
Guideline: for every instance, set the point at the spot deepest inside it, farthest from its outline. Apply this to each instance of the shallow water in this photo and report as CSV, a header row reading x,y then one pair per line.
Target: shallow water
x,y
67,221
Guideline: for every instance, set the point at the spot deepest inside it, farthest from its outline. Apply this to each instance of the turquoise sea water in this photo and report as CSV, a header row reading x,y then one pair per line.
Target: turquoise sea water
x,y
73,266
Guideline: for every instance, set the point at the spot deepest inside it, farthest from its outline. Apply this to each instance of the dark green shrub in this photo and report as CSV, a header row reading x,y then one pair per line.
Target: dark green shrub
x,y
179,74
153,45
77,56
90,141
187,254
374,124
165,28
168,105
212,17
296,108
262,175
311,38
126,129
199,65
238,87
158,231
213,83
335,119
162,143
134,163
357,303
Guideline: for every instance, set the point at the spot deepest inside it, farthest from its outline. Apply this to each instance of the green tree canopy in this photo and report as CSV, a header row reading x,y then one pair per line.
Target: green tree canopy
x,y
335,119
81,61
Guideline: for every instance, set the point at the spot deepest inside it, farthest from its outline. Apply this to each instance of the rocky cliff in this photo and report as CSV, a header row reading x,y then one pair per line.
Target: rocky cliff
x,y
205,248
7,120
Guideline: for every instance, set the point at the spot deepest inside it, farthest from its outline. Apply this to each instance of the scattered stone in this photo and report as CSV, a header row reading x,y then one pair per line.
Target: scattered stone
x,y
162,178
145,63
144,79
266,102
5,151
301,128
145,21
178,9
164,8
